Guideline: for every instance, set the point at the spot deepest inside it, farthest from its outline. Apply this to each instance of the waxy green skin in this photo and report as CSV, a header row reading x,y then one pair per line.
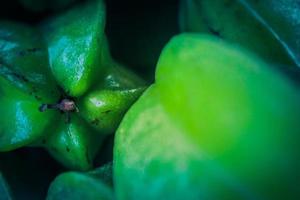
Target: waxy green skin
x,y
66,57
218,123
24,61
268,28
21,122
75,185
76,69
26,81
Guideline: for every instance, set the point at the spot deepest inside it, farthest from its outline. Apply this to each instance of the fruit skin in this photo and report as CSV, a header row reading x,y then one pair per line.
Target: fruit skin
x,y
76,185
24,60
76,66
219,123
269,28
20,123
104,107
66,57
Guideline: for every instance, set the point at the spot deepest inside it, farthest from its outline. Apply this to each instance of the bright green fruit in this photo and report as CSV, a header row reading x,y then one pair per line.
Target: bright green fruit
x,y
24,61
75,42
75,185
74,144
269,28
20,121
47,89
218,123
104,107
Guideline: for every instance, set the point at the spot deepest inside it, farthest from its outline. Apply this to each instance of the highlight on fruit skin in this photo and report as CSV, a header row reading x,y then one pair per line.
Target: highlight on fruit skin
x,y
220,120
229,131
61,66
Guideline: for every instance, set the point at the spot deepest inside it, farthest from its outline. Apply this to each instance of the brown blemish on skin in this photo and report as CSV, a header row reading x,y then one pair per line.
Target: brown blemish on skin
x,y
95,122
64,105
68,149
38,97
106,112
20,77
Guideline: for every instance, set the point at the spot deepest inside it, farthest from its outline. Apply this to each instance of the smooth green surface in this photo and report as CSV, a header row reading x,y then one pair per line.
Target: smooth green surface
x,y
74,144
104,109
75,185
268,28
217,124
21,122
119,77
75,42
105,105
24,61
